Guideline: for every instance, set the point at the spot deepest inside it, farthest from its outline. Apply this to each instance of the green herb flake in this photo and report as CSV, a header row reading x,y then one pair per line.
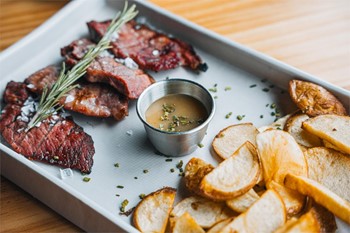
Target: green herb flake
x,y
168,160
240,117
116,165
142,196
145,171
228,115
213,89
266,89
251,86
179,165
120,186
123,205
86,179
117,195
181,174
263,80
228,88
261,116
215,97
272,106
172,170
135,178
200,145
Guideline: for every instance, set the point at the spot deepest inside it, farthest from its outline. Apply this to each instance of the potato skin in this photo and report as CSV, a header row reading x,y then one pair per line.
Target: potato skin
x,y
314,100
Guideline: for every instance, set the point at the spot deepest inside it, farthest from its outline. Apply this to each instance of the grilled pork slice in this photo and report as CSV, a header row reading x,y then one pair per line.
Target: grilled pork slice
x,y
96,100
57,140
130,82
149,49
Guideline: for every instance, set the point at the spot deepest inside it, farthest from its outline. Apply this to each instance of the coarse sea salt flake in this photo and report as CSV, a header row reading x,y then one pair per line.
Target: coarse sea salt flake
x,y
66,173
130,63
69,99
30,86
129,132
155,52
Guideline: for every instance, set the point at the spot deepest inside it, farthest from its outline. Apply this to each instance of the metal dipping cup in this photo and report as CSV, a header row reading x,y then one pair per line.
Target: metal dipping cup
x,y
175,143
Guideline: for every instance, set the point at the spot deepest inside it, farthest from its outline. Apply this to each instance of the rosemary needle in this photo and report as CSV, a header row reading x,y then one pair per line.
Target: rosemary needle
x,y
48,103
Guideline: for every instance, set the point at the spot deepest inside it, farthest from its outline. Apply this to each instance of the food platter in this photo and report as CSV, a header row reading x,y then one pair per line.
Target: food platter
x,y
255,80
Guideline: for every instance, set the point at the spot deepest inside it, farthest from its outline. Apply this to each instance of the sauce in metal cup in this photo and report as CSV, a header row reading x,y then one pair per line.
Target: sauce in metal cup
x,y
172,142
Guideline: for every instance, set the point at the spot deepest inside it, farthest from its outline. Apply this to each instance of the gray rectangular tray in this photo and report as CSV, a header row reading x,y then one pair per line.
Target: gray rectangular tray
x,y
94,206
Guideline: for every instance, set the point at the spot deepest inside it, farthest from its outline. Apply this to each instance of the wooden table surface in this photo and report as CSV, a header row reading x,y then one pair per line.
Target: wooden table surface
x,y
313,35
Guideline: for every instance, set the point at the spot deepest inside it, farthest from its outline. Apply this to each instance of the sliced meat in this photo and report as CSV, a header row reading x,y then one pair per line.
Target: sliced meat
x,y
45,77
148,48
15,95
130,82
98,100
76,50
57,140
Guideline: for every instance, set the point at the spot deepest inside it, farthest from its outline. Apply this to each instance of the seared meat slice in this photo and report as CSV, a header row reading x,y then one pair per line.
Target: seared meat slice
x,y
130,82
76,50
42,78
96,99
57,140
90,99
148,48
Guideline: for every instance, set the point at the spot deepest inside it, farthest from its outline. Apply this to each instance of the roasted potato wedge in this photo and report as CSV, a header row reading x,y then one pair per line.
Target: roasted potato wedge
x,y
204,211
322,195
231,138
152,213
265,215
314,100
195,170
280,154
333,128
234,176
331,169
317,219
293,200
241,203
294,127
185,223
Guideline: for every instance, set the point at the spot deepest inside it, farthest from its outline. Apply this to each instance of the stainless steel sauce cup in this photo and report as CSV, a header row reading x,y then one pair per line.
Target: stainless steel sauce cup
x,y
175,143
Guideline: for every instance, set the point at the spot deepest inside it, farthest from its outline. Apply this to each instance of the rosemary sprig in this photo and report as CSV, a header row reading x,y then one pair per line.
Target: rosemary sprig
x,y
49,101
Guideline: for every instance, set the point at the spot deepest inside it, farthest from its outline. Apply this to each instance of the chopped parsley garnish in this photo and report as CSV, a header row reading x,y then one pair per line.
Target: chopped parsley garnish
x,y
86,179
123,205
228,115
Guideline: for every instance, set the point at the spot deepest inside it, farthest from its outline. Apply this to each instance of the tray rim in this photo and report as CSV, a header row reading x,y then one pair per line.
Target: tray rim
x,y
71,7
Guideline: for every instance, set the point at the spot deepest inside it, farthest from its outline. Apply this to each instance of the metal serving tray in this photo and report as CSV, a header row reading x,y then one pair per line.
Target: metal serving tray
x,y
93,205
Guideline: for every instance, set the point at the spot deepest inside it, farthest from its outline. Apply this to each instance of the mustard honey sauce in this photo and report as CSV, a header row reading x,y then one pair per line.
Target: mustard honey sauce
x,y
176,113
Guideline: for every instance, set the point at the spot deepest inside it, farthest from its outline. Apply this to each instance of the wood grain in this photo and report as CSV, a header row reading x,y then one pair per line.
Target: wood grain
x,y
312,35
